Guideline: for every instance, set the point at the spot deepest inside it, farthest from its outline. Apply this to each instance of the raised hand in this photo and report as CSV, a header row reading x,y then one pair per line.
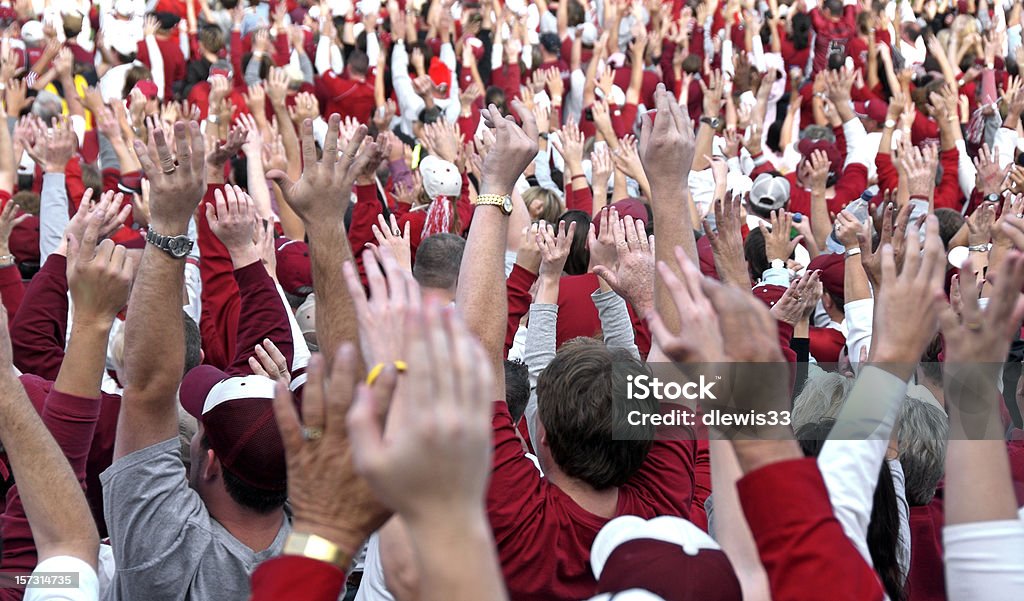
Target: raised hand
x,y
232,219
907,306
698,338
394,238
667,142
777,244
920,165
9,219
99,273
427,460
569,143
554,248
55,147
270,362
326,495
727,241
108,210
322,193
175,187
219,154
800,299
513,152
381,315
633,276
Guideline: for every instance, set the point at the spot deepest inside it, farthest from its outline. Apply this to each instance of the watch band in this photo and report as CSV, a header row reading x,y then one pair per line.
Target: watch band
x,y
317,547
502,201
980,248
852,252
176,246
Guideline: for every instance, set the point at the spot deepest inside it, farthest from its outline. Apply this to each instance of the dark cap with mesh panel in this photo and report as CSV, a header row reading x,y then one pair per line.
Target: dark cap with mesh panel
x,y
237,414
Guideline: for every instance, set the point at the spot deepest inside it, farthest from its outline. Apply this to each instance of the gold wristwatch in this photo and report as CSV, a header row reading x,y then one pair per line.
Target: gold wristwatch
x,y
503,202
317,547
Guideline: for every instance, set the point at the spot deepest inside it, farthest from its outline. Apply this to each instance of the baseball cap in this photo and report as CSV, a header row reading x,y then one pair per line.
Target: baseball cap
x,y
807,146
667,556
874,109
769,192
32,32
588,35
833,271
439,73
440,178
769,294
294,269
305,316
238,418
125,8
634,207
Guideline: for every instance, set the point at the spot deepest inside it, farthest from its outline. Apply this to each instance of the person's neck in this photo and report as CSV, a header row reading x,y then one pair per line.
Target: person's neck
x,y
254,530
602,503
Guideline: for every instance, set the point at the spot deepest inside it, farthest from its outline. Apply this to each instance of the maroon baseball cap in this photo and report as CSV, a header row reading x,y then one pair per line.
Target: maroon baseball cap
x,y
294,269
667,556
873,109
237,414
807,146
634,207
833,272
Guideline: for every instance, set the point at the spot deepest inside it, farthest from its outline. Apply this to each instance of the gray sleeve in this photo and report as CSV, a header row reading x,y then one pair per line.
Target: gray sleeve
x,y
306,67
540,339
615,321
539,351
252,73
159,528
108,158
53,214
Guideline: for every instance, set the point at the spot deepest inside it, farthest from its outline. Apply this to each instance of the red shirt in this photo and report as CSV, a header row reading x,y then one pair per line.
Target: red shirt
x,y
802,546
347,97
850,185
827,30
174,61
294,578
544,537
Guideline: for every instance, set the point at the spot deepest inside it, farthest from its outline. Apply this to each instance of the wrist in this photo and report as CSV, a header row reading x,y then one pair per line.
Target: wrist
x,y
168,226
243,257
91,320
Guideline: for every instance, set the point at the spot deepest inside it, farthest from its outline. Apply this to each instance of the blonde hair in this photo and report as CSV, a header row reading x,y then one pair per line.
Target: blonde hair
x,y
552,208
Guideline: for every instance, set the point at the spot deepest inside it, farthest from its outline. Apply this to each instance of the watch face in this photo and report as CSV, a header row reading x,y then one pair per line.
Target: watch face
x,y
179,246
506,206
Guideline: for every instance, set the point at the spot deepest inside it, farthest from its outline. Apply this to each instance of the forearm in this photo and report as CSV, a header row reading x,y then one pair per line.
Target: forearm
x,y
675,230
468,569
336,321
705,138
257,185
616,325
539,349
81,372
53,500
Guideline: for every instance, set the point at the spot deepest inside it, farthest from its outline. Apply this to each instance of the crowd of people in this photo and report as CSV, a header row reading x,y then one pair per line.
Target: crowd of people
x,y
339,300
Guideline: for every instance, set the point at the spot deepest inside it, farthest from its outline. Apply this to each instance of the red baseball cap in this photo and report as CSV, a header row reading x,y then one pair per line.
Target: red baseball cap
x,y
633,207
806,147
769,293
439,73
833,271
294,269
237,414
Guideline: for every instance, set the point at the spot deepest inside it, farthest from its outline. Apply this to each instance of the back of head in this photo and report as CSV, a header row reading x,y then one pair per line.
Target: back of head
x,y
358,62
438,259
517,388
834,7
579,253
581,395
551,205
950,222
822,397
924,430
212,38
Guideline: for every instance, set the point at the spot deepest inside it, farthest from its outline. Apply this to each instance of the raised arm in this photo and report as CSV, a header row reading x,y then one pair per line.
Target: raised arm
x,y
483,262
320,198
667,150
154,346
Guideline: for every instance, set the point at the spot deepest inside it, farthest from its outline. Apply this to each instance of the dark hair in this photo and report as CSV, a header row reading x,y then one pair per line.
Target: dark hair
x,y
27,200
801,31
517,388
255,499
581,396
193,344
438,259
72,26
579,254
834,7
228,4
950,222
883,537
577,14
755,254
265,64
134,75
496,96
212,38
358,62
91,178
430,114
691,64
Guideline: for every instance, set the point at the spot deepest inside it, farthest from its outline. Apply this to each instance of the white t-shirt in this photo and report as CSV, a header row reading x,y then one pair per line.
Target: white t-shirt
x,y
88,583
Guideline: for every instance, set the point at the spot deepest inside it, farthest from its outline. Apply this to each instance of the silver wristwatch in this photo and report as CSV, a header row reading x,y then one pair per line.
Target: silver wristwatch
x,y
176,246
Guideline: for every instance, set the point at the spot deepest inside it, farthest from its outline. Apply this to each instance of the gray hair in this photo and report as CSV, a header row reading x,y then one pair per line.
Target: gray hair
x,y
923,433
823,396
47,106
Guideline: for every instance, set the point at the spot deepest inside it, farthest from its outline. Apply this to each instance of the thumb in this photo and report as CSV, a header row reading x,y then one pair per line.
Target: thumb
x,y
365,431
281,179
211,214
607,275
